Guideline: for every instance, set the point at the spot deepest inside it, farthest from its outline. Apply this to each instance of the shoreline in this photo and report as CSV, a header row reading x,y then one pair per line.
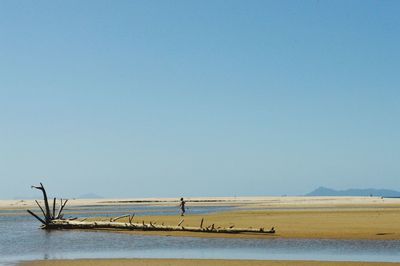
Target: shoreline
x,y
246,202
370,218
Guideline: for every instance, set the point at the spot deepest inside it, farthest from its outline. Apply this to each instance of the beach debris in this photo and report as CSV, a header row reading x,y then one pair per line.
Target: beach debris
x,y
49,216
62,205
119,217
44,215
181,222
76,224
131,218
37,217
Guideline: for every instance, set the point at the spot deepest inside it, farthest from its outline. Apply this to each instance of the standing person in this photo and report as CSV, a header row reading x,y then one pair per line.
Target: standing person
x,y
182,206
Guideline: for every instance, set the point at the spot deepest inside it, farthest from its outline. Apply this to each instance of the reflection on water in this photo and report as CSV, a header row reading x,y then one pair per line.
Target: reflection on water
x,y
21,239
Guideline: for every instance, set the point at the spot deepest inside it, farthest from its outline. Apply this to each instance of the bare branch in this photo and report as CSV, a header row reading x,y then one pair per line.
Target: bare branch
x,y
37,217
46,203
44,215
54,209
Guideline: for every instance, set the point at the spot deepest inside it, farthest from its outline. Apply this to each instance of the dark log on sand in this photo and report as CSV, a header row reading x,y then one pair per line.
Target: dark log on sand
x,y
68,224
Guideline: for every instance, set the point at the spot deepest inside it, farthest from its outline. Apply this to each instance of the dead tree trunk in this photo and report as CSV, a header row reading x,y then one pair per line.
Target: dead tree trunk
x,y
68,224
49,216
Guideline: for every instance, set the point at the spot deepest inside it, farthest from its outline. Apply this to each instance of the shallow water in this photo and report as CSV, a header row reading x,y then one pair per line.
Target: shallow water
x,y
116,210
21,239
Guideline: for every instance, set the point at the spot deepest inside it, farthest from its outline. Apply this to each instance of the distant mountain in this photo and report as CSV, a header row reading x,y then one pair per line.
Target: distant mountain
x,y
323,191
89,196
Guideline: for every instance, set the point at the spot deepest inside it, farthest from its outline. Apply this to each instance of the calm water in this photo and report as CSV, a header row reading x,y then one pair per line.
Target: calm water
x,y
21,239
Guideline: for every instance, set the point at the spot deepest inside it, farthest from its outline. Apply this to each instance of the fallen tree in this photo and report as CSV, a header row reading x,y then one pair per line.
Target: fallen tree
x,y
74,224
53,221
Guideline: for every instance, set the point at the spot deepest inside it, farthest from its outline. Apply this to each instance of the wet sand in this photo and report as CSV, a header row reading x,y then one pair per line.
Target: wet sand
x,y
333,223
189,262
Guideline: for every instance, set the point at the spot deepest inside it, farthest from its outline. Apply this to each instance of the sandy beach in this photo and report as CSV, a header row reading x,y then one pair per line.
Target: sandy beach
x,y
338,223
292,217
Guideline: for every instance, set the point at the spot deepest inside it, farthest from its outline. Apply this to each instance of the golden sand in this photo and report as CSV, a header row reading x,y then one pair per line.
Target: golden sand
x,y
354,223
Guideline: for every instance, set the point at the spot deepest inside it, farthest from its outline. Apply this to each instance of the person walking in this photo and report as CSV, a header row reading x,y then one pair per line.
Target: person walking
x,y
182,206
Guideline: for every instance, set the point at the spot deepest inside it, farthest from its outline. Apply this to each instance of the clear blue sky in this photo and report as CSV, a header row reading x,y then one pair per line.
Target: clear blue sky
x,y
198,98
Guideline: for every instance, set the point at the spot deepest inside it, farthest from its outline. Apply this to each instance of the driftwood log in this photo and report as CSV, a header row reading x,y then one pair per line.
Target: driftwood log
x,y
68,224
53,221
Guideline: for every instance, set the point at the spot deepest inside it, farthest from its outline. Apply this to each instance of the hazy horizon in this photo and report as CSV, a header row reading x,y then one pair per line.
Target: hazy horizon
x,y
198,98
34,194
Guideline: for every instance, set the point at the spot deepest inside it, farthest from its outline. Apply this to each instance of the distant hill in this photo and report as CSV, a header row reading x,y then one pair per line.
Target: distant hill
x,y
323,191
